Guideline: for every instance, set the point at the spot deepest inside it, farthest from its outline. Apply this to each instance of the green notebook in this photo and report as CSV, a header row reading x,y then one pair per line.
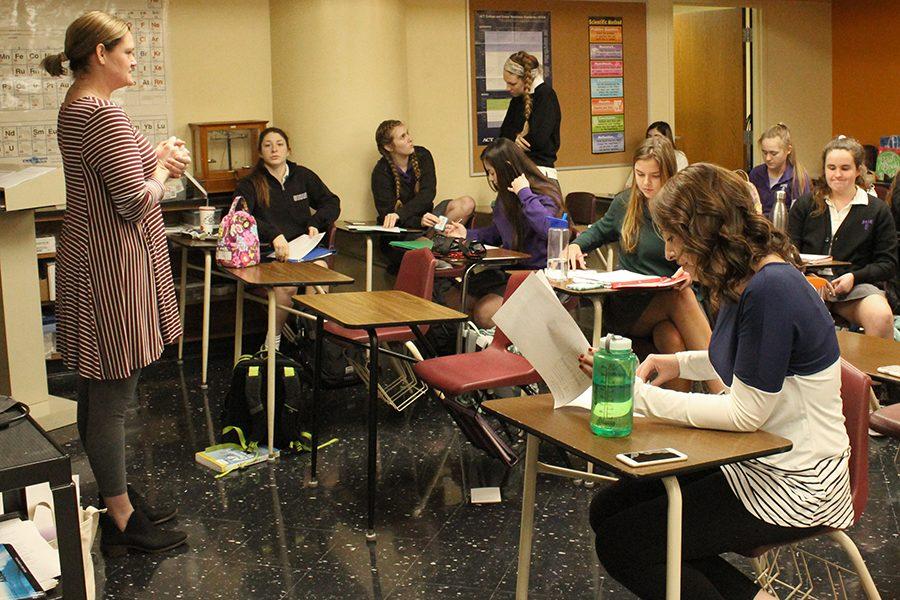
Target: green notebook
x,y
413,244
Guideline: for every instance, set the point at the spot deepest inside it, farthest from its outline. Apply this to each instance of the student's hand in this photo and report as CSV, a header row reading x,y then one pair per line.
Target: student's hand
x,y
522,143
313,232
429,220
842,285
282,248
455,229
658,369
519,183
390,219
575,257
686,283
586,361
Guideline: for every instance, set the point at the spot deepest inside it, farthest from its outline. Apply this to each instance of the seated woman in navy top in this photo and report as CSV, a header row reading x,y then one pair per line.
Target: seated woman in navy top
x,y
839,218
287,200
775,348
526,198
780,171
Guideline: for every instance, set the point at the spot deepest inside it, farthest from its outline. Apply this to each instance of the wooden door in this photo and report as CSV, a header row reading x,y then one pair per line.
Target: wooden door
x,y
709,85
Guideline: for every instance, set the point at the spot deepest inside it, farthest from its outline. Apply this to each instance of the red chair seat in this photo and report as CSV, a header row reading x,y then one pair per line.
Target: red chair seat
x,y
886,420
395,333
463,373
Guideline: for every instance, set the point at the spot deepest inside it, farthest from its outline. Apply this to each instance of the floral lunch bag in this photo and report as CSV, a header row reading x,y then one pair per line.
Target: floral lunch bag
x,y
238,244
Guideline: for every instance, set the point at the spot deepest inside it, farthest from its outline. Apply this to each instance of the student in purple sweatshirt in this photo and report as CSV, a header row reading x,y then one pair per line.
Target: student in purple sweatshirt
x,y
525,200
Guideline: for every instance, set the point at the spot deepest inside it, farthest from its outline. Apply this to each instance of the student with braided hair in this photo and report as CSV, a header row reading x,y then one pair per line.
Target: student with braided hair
x,y
404,182
533,117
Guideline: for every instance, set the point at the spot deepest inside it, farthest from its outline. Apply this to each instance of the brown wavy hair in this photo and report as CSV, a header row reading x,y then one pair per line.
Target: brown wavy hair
x,y
508,162
529,63
711,211
660,150
258,175
384,136
821,189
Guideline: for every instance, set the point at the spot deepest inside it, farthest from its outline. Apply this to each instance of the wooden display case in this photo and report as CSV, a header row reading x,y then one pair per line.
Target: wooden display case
x,y
224,152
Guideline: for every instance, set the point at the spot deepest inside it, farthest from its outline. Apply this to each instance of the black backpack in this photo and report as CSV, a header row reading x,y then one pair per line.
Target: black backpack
x,y
245,405
337,372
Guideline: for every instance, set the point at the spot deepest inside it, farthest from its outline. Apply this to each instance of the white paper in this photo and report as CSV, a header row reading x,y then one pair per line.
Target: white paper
x,y
545,333
607,277
300,247
10,179
814,257
375,228
42,560
485,495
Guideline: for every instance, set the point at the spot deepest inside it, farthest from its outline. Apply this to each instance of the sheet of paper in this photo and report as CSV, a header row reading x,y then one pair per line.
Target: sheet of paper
x,y
10,179
41,558
814,257
300,247
545,333
375,228
608,277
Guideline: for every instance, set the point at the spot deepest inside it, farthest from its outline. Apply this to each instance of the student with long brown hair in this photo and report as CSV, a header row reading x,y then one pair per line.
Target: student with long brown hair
x,y
525,200
282,195
533,117
780,170
672,318
775,348
839,218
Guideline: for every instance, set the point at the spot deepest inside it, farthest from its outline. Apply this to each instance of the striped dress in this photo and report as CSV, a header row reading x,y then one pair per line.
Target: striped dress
x,y
115,294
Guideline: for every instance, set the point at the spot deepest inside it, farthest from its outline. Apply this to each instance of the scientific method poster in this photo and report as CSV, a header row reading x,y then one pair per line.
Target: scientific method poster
x,y
497,36
607,82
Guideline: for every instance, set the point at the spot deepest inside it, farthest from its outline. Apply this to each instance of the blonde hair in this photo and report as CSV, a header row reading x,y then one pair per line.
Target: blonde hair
x,y
660,150
83,36
384,135
529,64
780,132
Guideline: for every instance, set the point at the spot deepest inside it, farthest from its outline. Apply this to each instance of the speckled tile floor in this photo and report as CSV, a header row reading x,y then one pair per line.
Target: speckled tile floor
x,y
265,534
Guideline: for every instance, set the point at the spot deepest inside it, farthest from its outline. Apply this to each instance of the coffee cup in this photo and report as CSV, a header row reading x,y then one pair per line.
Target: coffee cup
x,y
207,219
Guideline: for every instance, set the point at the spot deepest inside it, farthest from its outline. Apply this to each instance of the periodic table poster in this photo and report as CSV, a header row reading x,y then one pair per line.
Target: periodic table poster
x,y
30,97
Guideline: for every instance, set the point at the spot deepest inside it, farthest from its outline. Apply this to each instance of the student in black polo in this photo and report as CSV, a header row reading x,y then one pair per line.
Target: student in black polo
x,y
282,196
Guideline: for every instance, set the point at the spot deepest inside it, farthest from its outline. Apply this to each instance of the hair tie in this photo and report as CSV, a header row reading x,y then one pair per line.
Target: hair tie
x,y
842,137
782,124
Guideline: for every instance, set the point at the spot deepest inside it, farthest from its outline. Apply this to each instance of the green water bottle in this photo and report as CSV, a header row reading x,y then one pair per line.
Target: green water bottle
x,y
612,398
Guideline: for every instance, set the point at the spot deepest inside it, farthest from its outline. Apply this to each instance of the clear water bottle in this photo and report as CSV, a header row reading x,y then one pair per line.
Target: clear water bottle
x,y
780,211
557,242
612,399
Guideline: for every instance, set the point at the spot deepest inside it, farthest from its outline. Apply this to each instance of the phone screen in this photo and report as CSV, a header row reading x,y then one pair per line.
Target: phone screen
x,y
651,456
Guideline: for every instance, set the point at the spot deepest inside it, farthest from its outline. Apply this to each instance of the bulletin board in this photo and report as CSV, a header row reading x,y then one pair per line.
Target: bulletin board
x,y
572,70
30,97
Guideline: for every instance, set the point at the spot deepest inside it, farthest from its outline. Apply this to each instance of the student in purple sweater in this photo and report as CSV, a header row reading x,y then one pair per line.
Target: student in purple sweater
x,y
525,200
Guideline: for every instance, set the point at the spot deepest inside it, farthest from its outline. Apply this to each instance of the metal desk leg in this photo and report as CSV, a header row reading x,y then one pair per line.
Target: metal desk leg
x,y
204,339
373,431
462,305
238,320
71,560
317,387
181,301
526,527
270,371
369,251
673,539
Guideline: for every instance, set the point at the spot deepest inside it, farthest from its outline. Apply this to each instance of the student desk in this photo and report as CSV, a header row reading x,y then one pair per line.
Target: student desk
x,y
495,258
208,247
369,311
596,297
269,276
867,353
369,235
28,457
569,428
815,266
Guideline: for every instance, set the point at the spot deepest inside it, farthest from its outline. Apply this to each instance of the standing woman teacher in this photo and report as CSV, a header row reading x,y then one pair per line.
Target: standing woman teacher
x,y
533,117
116,298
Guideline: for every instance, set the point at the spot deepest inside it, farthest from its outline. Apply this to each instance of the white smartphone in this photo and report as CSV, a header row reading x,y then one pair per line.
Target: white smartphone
x,y
441,224
648,458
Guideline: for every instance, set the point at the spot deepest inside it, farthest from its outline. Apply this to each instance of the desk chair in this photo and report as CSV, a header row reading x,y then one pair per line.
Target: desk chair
x,y
449,377
583,210
886,421
855,393
416,277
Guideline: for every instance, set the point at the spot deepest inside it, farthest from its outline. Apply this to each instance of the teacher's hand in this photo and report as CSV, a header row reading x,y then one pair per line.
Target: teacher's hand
x,y
658,369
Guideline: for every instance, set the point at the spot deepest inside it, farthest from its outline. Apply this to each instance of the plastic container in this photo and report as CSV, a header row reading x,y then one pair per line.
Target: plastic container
x,y
612,399
557,242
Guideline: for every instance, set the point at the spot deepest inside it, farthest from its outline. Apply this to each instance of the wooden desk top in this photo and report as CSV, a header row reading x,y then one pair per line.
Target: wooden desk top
x,y
867,353
345,226
180,239
569,427
286,273
824,265
358,310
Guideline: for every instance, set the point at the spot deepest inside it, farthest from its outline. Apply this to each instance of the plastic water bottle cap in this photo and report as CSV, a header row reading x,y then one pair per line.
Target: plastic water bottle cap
x,y
554,223
615,343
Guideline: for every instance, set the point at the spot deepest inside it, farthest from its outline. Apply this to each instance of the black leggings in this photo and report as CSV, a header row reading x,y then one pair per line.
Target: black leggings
x,y
101,427
629,520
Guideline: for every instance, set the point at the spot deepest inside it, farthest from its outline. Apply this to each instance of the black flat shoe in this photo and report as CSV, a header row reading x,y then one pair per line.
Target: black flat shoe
x,y
155,514
140,535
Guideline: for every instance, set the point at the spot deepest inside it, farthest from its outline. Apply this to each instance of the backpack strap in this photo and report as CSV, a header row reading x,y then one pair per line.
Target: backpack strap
x,y
235,202
253,391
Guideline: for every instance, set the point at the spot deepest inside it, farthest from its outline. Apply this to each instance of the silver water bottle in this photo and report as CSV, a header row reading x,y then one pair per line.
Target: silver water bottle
x,y
780,211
